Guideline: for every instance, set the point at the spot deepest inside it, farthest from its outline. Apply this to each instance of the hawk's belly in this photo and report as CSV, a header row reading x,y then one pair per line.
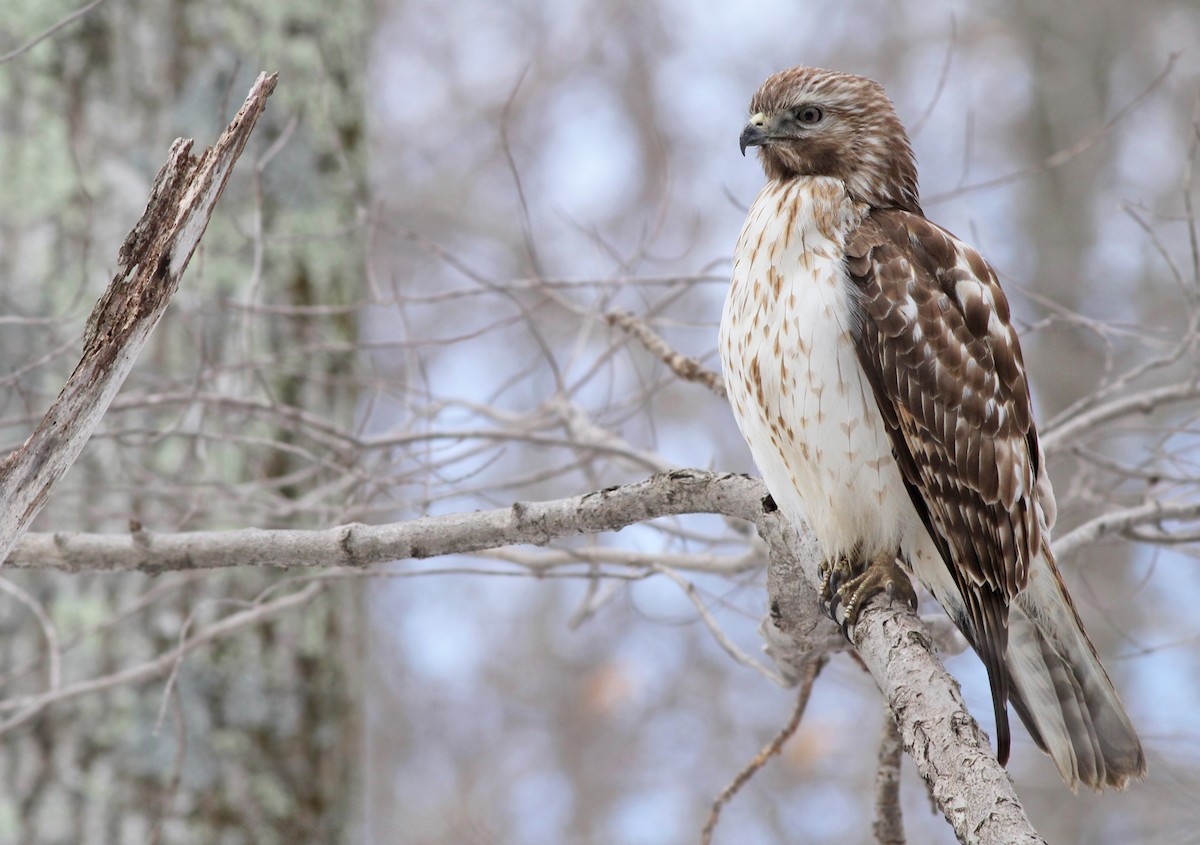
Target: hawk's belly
x,y
796,387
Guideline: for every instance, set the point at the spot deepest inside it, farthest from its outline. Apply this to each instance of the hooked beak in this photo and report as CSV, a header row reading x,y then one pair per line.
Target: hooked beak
x,y
754,135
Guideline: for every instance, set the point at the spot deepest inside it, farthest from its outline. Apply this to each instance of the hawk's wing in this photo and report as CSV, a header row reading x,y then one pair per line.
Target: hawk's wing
x,y
936,345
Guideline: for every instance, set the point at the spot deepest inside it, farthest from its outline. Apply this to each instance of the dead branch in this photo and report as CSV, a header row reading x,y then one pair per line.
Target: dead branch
x,y
151,262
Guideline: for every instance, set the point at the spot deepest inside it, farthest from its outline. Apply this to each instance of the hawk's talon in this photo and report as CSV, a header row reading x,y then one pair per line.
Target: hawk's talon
x,y
833,575
841,586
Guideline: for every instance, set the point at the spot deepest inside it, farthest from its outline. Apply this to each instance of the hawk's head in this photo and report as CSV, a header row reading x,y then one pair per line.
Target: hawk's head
x,y
813,122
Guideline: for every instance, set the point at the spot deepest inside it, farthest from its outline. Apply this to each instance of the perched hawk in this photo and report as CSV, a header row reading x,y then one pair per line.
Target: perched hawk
x,y
877,379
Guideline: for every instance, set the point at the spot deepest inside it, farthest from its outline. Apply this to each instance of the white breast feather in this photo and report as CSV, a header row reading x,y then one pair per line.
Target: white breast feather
x,y
798,392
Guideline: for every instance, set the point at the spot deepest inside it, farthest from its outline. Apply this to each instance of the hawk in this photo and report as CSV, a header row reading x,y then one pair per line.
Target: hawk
x,y
877,379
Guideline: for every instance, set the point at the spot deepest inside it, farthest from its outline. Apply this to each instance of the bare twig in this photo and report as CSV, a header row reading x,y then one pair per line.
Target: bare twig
x,y
712,564
31,706
714,628
1070,429
172,787
688,369
1067,153
939,87
812,669
1122,520
54,675
46,33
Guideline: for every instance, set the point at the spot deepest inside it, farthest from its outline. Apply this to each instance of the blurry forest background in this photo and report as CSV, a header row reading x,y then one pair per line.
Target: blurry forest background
x,y
399,309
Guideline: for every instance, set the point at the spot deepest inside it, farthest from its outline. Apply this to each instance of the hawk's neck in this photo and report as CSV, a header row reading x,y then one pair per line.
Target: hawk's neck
x,y
819,203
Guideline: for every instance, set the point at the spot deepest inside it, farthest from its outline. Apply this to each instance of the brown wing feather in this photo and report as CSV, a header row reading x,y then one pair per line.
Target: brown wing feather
x,y
935,342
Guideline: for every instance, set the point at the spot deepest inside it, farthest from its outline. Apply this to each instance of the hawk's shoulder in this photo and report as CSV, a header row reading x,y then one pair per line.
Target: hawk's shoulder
x,y
936,342
903,259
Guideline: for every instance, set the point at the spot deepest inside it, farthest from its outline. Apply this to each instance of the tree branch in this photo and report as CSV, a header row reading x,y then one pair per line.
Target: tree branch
x,y
950,751
1144,402
812,669
952,754
46,33
688,369
359,546
151,262
1151,512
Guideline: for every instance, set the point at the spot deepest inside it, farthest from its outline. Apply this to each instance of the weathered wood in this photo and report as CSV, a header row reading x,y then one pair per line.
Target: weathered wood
x,y
151,262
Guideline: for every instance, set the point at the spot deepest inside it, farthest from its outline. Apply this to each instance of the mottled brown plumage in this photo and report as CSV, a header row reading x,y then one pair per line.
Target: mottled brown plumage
x,y
875,373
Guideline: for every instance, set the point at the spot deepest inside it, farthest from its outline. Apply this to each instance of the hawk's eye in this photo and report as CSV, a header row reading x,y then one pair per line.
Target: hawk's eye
x,y
809,115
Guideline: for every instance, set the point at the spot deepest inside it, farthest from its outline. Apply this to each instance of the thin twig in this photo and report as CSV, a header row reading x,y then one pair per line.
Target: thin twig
x,y
813,668
46,33
714,627
940,87
1071,429
172,788
1095,529
54,679
688,369
31,706
1066,154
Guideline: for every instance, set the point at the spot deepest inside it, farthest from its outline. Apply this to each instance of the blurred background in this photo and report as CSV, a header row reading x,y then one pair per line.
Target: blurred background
x,y
400,308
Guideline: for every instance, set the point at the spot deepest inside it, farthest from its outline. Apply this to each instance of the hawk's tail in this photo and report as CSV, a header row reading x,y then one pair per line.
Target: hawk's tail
x,y
1060,690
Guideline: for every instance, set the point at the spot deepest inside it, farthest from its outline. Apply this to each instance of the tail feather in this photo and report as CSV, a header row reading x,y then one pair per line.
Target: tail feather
x,y
1062,693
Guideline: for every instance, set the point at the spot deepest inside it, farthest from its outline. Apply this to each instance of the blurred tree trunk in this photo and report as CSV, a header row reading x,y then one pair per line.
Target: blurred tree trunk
x,y
262,739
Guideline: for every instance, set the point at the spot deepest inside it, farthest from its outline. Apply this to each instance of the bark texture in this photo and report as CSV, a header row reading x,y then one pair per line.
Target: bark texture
x,y
151,261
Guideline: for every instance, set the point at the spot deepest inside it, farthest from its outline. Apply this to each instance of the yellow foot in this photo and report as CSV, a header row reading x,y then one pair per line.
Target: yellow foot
x,y
842,585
